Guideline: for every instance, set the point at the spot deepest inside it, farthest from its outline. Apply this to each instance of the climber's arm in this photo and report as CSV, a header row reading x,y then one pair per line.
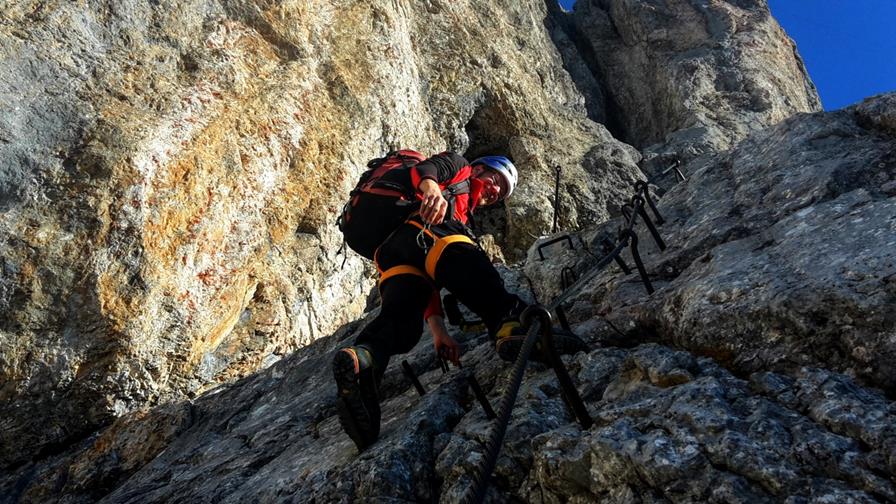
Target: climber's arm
x,y
445,345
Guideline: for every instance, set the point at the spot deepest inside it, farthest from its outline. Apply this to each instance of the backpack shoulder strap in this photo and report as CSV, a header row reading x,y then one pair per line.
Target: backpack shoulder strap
x,y
462,187
452,191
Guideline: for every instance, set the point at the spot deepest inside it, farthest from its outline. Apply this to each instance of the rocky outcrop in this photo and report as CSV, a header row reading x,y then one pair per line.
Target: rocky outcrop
x,y
781,252
170,174
674,428
683,78
669,427
744,398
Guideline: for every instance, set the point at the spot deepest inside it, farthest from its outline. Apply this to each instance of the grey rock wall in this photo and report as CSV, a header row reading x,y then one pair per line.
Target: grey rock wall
x,y
670,427
681,78
781,252
170,175
171,172
751,403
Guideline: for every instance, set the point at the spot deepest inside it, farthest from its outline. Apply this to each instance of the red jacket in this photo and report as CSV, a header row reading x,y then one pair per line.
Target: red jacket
x,y
447,169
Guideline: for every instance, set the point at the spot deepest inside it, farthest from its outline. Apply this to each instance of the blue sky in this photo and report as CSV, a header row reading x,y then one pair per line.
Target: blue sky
x,y
849,46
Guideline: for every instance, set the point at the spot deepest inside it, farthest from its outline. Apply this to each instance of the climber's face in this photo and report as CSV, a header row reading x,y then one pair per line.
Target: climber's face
x,y
491,189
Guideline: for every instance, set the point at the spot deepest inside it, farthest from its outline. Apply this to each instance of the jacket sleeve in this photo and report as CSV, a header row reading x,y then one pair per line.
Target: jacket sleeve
x,y
440,168
434,307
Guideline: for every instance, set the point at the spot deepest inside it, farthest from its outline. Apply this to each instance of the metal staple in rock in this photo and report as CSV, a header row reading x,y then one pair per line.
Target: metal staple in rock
x,y
557,170
477,491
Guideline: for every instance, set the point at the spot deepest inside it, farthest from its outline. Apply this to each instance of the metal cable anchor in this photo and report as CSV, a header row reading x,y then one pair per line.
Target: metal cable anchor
x,y
568,389
632,238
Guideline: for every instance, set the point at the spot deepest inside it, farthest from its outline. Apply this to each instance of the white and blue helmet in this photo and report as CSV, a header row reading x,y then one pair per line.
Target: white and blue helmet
x,y
504,167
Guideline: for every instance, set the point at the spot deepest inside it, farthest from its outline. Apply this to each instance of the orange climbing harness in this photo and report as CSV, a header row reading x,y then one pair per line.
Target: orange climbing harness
x,y
435,253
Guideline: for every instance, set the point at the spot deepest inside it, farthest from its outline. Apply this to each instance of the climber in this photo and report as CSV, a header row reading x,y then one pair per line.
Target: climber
x,y
431,250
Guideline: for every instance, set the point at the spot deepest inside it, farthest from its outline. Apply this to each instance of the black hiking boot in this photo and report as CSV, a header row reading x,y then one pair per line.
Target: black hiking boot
x,y
510,338
357,401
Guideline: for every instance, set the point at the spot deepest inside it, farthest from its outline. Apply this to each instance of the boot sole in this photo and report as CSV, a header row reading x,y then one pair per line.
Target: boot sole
x,y
354,415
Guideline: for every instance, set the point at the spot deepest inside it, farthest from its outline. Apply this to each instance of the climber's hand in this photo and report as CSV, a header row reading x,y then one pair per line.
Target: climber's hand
x,y
434,205
446,347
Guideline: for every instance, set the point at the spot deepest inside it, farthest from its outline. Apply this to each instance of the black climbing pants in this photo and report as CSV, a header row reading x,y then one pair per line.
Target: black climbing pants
x,y
460,267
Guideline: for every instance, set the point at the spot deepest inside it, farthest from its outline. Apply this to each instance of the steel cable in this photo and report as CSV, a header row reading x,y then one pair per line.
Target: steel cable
x,y
477,491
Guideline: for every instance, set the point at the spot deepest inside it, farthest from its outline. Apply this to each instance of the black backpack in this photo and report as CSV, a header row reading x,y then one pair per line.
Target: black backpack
x,y
383,199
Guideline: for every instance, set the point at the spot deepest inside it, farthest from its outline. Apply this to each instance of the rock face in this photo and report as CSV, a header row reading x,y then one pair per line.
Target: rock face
x,y
171,290
781,252
170,174
680,78
670,427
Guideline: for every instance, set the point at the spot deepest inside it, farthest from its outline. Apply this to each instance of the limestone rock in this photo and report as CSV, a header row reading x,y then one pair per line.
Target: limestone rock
x,y
669,427
710,438
170,174
781,253
878,112
685,78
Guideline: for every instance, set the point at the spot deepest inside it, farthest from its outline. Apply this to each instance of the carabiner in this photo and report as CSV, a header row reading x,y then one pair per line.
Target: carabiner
x,y
421,238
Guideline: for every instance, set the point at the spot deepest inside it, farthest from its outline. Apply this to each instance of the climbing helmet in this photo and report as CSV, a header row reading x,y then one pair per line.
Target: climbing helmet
x,y
504,168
